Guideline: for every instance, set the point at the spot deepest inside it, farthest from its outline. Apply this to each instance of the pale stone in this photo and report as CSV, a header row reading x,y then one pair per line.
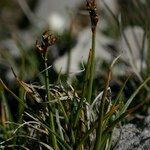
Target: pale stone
x,y
131,46
80,52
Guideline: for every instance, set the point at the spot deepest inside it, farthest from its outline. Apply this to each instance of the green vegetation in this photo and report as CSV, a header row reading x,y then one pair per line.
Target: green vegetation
x,y
61,115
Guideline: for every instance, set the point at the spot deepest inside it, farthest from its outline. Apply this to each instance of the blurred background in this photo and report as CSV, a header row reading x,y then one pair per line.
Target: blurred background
x,y
123,29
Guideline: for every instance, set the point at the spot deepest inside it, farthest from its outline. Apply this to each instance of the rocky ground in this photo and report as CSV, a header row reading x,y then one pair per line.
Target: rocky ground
x,y
133,137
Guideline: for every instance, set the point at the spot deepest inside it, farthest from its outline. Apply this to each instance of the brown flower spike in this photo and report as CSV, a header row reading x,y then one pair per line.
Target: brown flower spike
x,y
48,39
91,6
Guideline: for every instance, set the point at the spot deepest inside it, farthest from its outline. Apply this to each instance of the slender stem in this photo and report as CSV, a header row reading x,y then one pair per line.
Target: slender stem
x,y
52,126
99,130
92,66
21,107
63,111
47,78
85,137
68,62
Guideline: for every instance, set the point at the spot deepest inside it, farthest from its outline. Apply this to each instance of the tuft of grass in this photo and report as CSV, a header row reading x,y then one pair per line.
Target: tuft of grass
x,y
58,116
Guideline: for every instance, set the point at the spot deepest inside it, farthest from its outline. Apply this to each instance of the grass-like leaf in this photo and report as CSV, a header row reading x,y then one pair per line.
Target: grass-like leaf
x,y
124,108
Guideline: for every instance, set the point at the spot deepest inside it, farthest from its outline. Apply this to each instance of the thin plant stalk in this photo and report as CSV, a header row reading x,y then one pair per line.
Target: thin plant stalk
x,y
92,8
92,67
48,39
99,130
21,107
88,85
63,111
52,126
100,124
13,94
85,88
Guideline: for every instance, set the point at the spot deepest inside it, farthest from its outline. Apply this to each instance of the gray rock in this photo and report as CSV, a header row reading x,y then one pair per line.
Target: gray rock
x,y
129,137
147,122
132,47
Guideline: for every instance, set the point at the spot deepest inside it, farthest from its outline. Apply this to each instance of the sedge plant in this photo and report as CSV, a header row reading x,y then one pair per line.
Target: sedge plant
x,y
64,118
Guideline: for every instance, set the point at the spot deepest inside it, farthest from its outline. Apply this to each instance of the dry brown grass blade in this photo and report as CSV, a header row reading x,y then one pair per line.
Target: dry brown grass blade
x,y
14,95
29,89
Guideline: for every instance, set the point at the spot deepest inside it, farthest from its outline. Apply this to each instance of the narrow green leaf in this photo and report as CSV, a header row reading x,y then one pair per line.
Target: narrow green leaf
x,y
36,118
99,130
113,109
84,138
85,89
125,107
120,91
122,116
5,107
63,111
15,96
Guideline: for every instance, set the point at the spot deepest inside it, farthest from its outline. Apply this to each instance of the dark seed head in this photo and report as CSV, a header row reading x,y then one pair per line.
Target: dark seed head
x,y
47,39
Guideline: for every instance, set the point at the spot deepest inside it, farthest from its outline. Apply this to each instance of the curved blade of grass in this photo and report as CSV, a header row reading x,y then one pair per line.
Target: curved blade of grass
x,y
5,113
14,147
101,117
48,94
59,124
92,67
37,140
99,131
84,138
63,111
29,89
109,115
41,143
14,95
85,89
105,141
112,111
132,97
46,145
120,91
119,24
87,75
122,116
51,131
